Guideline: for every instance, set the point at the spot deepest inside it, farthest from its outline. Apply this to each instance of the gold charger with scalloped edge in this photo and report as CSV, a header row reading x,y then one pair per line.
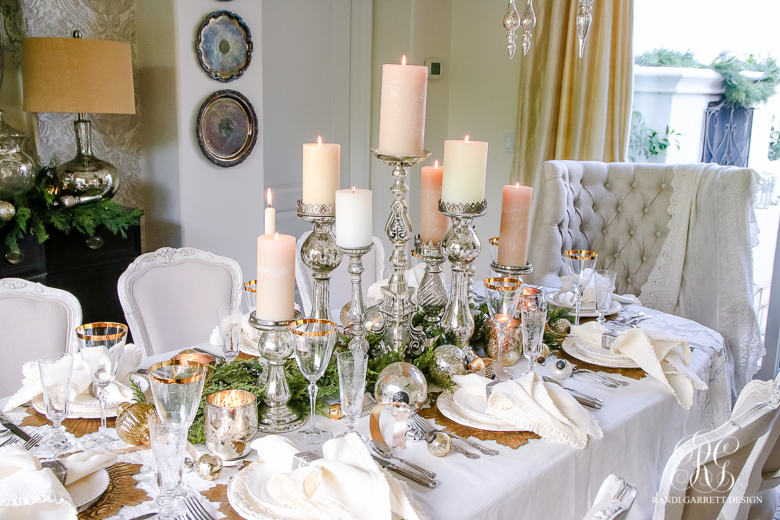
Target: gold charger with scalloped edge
x,y
633,373
78,427
121,492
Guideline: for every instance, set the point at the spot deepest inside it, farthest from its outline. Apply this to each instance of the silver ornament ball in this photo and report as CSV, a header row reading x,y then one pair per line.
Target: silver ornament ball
x,y
448,361
209,467
7,211
401,382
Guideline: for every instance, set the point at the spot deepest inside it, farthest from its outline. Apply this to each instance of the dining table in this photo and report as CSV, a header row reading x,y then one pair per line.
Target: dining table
x,y
530,477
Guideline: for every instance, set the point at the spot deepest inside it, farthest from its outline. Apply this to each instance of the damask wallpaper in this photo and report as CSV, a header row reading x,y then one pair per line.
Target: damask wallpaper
x,y
115,138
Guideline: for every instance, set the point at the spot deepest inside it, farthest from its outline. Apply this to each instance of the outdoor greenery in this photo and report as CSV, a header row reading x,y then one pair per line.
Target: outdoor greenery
x,y
668,58
645,142
774,143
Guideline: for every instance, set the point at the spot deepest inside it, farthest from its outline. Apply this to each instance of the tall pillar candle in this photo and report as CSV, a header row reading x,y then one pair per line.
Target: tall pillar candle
x,y
270,216
465,167
515,216
275,277
353,218
402,109
433,223
321,172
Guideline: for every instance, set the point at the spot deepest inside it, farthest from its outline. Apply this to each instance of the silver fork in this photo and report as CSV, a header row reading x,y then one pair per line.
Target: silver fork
x,y
34,440
196,509
424,425
9,441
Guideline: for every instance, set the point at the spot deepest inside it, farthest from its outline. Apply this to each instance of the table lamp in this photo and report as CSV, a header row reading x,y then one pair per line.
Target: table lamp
x,y
80,76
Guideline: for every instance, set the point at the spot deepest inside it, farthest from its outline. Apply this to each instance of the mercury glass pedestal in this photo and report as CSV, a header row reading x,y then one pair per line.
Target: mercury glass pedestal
x,y
320,253
357,309
276,346
432,292
397,308
461,245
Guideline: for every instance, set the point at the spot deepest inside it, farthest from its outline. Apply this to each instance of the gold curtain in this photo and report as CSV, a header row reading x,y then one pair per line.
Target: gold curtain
x,y
572,108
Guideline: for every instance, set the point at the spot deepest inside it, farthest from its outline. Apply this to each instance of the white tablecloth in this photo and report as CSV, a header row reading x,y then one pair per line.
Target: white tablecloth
x,y
642,423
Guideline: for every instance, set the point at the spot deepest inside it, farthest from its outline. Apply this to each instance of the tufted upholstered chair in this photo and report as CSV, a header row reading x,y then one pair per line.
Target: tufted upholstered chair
x,y
616,209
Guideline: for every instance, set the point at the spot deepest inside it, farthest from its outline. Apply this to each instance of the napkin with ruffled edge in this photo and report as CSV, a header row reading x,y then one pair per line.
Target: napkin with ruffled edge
x,y
533,405
663,356
345,484
119,390
565,298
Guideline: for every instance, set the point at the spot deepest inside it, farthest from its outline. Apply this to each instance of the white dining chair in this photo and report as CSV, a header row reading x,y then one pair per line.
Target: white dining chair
x,y
35,320
613,500
718,473
170,297
340,279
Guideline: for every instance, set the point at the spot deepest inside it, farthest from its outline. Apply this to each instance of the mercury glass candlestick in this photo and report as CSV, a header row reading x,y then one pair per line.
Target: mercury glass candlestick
x,y
320,253
397,308
461,245
432,292
357,309
276,346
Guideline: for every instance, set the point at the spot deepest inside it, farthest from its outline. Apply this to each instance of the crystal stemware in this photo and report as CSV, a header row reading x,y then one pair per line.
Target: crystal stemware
x,y
176,387
579,264
314,341
101,346
229,324
56,373
352,386
502,297
533,313
604,282
250,295
168,444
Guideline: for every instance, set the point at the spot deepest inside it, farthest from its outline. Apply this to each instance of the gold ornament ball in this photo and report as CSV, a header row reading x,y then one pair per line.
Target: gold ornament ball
x,y
439,444
544,352
7,211
561,326
209,467
132,422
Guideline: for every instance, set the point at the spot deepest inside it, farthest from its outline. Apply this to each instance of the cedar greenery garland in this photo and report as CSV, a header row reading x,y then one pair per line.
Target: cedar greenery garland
x,y
742,90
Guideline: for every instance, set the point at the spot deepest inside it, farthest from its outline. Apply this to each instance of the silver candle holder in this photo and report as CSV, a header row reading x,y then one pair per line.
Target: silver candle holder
x,y
276,346
461,245
432,292
357,309
397,308
320,253
512,271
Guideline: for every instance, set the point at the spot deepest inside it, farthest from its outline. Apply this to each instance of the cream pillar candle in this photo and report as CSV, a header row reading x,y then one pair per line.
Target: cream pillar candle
x,y
321,172
270,216
275,277
353,218
513,236
402,109
433,224
463,180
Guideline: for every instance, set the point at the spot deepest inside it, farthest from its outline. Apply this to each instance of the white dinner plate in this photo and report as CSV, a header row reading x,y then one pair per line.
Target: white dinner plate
x,y
450,410
574,349
587,309
475,407
85,491
90,410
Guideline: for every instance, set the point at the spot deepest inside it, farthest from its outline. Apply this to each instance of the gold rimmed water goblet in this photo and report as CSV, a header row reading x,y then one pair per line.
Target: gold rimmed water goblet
x,y
502,296
250,295
314,341
580,264
101,346
176,388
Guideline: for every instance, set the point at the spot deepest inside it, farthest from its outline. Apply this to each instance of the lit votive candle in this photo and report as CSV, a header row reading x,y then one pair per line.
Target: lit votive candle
x,y
230,423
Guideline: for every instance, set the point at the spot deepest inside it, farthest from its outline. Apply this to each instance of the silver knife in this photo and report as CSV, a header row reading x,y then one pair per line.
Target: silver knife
x,y
14,428
145,517
420,479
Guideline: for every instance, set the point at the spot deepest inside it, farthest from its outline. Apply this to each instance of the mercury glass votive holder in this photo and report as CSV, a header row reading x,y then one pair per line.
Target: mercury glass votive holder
x,y
230,423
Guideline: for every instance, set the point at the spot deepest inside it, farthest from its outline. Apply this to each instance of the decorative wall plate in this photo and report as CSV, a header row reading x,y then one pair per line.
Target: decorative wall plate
x,y
226,128
224,46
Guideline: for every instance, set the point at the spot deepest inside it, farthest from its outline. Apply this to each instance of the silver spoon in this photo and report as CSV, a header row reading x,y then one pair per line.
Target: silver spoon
x,y
383,450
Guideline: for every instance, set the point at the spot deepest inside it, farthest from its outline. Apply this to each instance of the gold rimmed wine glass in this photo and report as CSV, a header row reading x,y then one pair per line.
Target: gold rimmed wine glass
x,y
250,295
177,385
580,264
314,341
502,296
101,346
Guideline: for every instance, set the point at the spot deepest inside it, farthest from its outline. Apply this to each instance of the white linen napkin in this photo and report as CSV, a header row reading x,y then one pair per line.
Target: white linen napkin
x,y
118,391
663,356
534,405
411,275
249,335
84,463
28,492
565,298
345,484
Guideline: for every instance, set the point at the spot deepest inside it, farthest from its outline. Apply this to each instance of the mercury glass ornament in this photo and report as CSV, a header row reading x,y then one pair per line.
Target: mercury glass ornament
x,y
562,369
511,345
544,352
208,467
561,326
132,422
17,175
439,444
401,382
7,211
448,361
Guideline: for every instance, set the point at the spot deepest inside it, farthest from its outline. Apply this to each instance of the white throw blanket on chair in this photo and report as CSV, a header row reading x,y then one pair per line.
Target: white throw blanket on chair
x,y
705,269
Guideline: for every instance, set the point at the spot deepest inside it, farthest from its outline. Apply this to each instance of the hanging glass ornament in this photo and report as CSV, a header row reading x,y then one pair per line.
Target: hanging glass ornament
x,y
584,20
511,24
528,22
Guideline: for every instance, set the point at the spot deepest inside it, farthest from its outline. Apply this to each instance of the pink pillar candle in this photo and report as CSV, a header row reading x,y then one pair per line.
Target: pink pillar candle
x,y
275,277
433,224
321,172
513,236
402,109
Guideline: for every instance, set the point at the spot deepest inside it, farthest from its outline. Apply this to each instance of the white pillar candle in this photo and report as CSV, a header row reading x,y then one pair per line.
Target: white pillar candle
x,y
402,109
465,167
515,214
270,216
321,172
353,218
275,277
